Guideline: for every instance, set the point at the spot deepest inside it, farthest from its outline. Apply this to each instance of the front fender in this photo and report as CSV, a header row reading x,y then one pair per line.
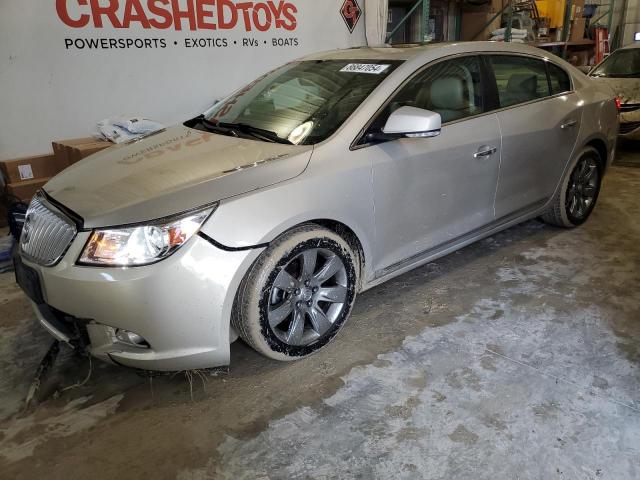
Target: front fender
x,y
339,192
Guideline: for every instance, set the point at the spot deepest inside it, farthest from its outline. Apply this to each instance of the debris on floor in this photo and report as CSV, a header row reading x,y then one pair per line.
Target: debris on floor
x,y
43,369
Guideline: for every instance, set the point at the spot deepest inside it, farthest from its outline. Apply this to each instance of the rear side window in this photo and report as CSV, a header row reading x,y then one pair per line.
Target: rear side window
x,y
519,79
559,79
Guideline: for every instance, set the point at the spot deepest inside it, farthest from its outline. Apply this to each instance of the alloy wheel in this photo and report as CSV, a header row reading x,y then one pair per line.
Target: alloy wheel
x,y
307,296
583,188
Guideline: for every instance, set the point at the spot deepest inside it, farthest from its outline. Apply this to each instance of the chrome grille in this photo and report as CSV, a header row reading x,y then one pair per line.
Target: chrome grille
x,y
46,234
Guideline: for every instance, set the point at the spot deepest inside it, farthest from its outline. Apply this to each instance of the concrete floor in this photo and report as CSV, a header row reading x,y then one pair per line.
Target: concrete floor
x,y
515,358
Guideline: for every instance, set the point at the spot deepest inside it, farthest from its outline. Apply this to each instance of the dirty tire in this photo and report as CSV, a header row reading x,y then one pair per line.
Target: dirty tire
x,y
559,213
256,315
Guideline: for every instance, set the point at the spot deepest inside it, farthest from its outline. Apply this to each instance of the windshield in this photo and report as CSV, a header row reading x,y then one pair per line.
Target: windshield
x,y
623,63
301,102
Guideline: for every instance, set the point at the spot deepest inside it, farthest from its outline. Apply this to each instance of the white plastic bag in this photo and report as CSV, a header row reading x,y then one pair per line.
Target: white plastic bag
x,y
116,134
515,32
135,124
500,38
124,128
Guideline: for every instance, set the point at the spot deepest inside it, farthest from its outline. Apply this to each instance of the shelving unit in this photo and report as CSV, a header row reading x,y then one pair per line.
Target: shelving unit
x,y
576,43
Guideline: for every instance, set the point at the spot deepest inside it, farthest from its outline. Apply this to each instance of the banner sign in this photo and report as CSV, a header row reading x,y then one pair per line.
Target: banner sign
x,y
68,64
194,15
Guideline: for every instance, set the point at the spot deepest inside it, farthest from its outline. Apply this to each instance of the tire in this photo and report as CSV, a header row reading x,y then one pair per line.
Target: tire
x,y
577,196
279,315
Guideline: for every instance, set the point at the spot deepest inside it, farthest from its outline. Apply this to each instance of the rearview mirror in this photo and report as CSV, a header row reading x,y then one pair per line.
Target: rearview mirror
x,y
413,122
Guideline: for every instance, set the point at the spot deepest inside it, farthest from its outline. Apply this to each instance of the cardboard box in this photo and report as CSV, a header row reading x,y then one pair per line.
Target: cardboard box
x,y
60,151
577,9
577,30
29,168
78,152
68,152
472,22
27,189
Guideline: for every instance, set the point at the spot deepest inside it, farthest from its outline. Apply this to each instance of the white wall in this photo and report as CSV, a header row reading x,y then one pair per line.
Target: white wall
x,y
626,15
49,91
631,21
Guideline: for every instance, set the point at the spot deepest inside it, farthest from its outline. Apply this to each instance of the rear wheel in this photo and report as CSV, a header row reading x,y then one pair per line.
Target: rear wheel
x,y
298,294
578,193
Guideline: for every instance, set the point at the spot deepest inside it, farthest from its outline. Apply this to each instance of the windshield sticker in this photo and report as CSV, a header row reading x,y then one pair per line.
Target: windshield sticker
x,y
365,68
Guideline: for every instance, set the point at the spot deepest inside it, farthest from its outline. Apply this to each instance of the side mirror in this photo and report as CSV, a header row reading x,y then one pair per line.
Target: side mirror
x,y
584,69
413,122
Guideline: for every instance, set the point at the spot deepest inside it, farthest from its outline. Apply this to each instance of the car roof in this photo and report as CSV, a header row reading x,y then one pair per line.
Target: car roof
x,y
423,51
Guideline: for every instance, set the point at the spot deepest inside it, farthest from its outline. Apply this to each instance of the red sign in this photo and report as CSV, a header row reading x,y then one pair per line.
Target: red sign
x,y
191,15
351,13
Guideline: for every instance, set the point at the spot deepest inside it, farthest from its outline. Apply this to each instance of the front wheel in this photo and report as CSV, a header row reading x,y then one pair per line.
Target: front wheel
x,y
298,294
577,196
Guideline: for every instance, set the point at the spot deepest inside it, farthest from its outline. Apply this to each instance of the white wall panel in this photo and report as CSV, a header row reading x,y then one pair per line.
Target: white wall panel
x,y
52,89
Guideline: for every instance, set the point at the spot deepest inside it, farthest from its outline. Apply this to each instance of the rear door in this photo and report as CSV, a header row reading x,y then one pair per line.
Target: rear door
x,y
539,117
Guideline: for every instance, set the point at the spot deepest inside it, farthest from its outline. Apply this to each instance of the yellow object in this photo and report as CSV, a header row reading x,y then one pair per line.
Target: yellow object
x,y
553,10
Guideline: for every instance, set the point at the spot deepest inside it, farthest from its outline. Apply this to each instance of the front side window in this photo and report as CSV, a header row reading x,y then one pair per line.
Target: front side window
x,y
519,79
301,102
451,88
620,64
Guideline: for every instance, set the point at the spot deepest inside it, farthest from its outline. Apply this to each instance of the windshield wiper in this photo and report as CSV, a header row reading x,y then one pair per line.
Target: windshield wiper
x,y
227,128
261,133
210,126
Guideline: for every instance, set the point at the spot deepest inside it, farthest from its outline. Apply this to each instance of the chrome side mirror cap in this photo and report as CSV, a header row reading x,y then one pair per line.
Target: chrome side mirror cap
x,y
413,122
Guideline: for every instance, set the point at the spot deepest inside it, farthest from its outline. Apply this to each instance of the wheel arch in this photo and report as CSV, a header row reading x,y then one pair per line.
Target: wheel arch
x,y
355,225
350,237
353,236
593,141
601,147
336,226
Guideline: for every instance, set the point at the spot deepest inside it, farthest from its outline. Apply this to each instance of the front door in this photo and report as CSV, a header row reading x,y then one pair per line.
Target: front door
x,y
430,191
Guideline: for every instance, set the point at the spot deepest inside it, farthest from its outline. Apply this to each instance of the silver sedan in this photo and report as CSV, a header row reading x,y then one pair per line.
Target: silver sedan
x,y
266,215
621,72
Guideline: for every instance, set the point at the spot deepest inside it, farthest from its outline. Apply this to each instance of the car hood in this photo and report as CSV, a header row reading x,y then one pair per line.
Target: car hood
x,y
628,89
169,172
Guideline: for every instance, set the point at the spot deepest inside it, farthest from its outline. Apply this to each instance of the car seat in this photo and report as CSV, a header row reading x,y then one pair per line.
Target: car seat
x,y
449,97
521,87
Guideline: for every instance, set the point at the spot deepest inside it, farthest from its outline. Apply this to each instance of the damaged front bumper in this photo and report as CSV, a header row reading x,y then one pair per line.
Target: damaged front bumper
x,y
169,316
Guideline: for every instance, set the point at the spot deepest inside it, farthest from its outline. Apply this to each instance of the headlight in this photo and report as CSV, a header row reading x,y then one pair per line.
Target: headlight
x,y
141,244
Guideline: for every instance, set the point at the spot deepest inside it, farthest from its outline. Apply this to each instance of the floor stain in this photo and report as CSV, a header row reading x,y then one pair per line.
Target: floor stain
x,y
464,377
462,435
488,362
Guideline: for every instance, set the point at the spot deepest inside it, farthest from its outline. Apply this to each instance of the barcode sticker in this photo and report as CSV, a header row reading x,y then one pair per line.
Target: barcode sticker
x,y
25,172
365,68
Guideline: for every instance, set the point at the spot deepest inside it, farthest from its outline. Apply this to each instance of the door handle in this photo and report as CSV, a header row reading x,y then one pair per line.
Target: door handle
x,y
485,153
569,124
